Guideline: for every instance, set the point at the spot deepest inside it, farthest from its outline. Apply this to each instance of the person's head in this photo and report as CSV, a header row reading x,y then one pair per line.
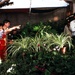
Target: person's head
x,y
6,23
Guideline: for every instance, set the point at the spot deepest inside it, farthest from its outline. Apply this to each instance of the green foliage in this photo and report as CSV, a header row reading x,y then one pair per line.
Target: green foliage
x,y
35,56
19,45
5,66
32,30
61,40
45,42
40,63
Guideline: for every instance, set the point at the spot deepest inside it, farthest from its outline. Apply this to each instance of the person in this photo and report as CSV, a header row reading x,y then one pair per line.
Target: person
x,y
72,28
3,34
67,30
2,43
6,25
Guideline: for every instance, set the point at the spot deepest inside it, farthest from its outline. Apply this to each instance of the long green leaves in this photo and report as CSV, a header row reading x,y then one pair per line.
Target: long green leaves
x,y
19,45
61,40
37,43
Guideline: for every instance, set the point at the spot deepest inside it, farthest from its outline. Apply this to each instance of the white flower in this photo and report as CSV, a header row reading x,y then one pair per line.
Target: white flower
x,y
13,65
57,47
9,70
44,44
54,49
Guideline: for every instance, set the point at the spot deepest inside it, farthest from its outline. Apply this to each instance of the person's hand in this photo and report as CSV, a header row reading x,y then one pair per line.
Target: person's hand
x,y
18,27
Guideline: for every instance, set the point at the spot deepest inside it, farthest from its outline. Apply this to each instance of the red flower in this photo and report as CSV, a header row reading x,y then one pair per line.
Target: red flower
x,y
38,45
36,67
40,68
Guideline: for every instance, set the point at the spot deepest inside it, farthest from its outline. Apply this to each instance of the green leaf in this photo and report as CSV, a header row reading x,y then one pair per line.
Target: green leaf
x,y
47,72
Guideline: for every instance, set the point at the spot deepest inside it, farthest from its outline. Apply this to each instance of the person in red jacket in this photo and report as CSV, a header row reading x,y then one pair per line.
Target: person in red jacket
x,y
4,30
2,43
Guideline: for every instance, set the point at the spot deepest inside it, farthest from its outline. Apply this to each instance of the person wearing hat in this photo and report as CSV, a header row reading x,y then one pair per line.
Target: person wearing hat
x,y
67,30
72,28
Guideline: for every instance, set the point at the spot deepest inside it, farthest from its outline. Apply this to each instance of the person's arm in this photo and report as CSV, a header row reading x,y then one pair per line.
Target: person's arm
x,y
13,28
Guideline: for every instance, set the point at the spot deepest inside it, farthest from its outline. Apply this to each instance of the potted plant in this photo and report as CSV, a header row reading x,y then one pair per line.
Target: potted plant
x,y
62,41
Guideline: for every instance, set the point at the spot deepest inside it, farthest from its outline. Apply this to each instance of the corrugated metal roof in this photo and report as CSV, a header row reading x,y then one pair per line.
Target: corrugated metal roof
x,y
20,4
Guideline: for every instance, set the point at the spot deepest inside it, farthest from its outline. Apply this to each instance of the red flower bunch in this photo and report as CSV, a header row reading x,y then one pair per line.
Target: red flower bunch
x,y
40,68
